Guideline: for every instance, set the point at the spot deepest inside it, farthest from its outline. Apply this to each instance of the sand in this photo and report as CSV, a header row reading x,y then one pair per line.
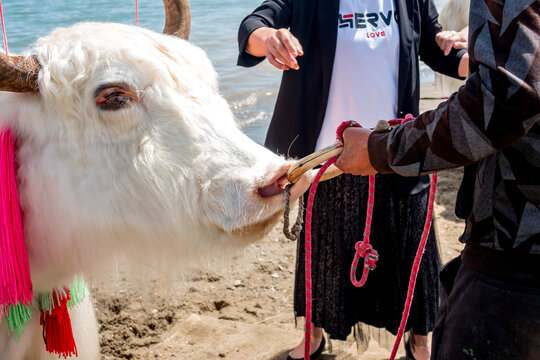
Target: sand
x,y
242,307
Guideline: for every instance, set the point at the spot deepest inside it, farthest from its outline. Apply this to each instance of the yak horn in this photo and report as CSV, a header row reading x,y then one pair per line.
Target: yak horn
x,y
177,18
19,73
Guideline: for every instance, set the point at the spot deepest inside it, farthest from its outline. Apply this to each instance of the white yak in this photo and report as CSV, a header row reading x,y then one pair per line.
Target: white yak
x,y
126,147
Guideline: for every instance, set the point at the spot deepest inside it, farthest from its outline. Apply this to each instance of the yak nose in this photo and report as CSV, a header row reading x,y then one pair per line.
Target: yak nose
x,y
274,187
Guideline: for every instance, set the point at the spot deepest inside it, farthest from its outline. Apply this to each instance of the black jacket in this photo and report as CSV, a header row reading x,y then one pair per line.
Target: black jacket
x,y
303,96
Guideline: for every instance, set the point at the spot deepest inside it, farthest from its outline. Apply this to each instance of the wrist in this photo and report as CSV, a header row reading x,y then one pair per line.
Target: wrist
x,y
463,68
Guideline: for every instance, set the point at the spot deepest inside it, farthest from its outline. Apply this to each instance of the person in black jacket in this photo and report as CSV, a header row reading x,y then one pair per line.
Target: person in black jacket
x,y
354,60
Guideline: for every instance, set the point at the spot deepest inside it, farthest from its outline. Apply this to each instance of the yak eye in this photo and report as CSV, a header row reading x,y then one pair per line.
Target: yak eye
x,y
113,97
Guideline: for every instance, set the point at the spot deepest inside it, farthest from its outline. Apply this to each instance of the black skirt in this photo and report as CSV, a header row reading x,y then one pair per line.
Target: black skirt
x,y
339,214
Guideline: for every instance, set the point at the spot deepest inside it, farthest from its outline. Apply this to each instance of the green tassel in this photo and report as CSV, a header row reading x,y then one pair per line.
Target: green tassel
x,y
48,302
77,291
18,316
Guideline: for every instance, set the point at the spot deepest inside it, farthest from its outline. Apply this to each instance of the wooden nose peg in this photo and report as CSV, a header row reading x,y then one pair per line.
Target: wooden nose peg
x,y
309,162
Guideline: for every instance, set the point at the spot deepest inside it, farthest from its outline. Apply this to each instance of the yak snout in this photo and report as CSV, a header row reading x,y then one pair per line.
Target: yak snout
x,y
275,186
277,183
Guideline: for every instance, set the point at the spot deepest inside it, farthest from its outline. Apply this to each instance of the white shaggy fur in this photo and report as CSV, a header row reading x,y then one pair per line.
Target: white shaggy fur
x,y
159,182
454,16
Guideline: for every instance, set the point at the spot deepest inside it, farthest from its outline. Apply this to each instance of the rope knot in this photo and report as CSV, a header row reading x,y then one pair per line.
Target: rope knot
x,y
363,248
370,261
343,126
407,118
370,255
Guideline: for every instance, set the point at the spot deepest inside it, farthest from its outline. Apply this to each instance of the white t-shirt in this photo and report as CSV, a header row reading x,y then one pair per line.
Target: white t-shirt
x,y
364,83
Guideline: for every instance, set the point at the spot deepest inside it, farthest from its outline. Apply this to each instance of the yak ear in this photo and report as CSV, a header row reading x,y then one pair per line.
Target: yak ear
x,y
19,73
177,18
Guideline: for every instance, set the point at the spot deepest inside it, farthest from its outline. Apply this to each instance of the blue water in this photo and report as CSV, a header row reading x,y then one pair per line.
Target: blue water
x,y
251,92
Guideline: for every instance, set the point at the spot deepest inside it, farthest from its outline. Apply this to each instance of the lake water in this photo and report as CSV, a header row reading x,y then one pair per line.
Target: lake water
x,y
250,92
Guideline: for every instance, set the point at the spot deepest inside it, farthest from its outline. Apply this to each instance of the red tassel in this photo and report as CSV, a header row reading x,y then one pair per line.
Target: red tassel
x,y
15,282
57,331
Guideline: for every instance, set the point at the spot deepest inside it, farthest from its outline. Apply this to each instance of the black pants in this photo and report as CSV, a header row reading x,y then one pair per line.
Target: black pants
x,y
487,316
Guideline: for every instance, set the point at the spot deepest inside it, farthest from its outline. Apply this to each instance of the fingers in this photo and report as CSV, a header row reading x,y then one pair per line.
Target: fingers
x,y
355,158
461,45
451,39
282,48
447,47
272,60
290,42
279,50
295,44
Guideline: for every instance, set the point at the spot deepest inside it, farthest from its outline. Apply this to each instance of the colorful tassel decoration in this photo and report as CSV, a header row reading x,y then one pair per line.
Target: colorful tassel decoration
x,y
77,291
18,316
56,324
15,282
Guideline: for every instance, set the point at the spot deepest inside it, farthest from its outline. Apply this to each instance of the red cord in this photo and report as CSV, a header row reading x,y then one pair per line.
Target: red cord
x,y
309,297
363,248
416,265
3,29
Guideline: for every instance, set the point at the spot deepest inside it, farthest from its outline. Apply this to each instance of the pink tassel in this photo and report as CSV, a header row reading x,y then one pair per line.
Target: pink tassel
x,y
15,281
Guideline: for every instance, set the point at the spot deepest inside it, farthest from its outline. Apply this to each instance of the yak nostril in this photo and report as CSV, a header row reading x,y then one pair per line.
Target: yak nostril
x,y
274,188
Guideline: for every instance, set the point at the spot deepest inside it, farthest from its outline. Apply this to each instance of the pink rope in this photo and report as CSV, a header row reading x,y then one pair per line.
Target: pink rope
x,y
363,248
3,28
416,266
136,12
309,295
309,210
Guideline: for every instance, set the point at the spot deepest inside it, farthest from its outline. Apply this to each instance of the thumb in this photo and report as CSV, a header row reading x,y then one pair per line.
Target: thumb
x,y
461,45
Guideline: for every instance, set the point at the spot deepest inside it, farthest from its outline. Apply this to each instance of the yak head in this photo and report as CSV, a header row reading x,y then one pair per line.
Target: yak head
x,y
126,147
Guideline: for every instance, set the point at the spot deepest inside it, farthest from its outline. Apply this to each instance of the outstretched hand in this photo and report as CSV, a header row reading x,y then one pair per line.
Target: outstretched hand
x,y
355,158
457,40
452,39
279,46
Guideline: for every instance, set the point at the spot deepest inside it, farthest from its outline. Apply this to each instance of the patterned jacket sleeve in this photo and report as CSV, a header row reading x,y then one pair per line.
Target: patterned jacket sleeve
x,y
496,107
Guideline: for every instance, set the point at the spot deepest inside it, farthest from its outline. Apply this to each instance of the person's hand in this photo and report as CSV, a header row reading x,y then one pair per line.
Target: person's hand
x,y
279,46
355,158
452,39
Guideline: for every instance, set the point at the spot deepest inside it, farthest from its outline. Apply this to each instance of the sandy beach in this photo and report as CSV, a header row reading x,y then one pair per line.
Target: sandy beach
x,y
241,308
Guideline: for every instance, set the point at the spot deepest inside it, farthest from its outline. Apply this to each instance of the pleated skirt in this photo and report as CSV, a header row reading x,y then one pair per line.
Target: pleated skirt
x,y
339,215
